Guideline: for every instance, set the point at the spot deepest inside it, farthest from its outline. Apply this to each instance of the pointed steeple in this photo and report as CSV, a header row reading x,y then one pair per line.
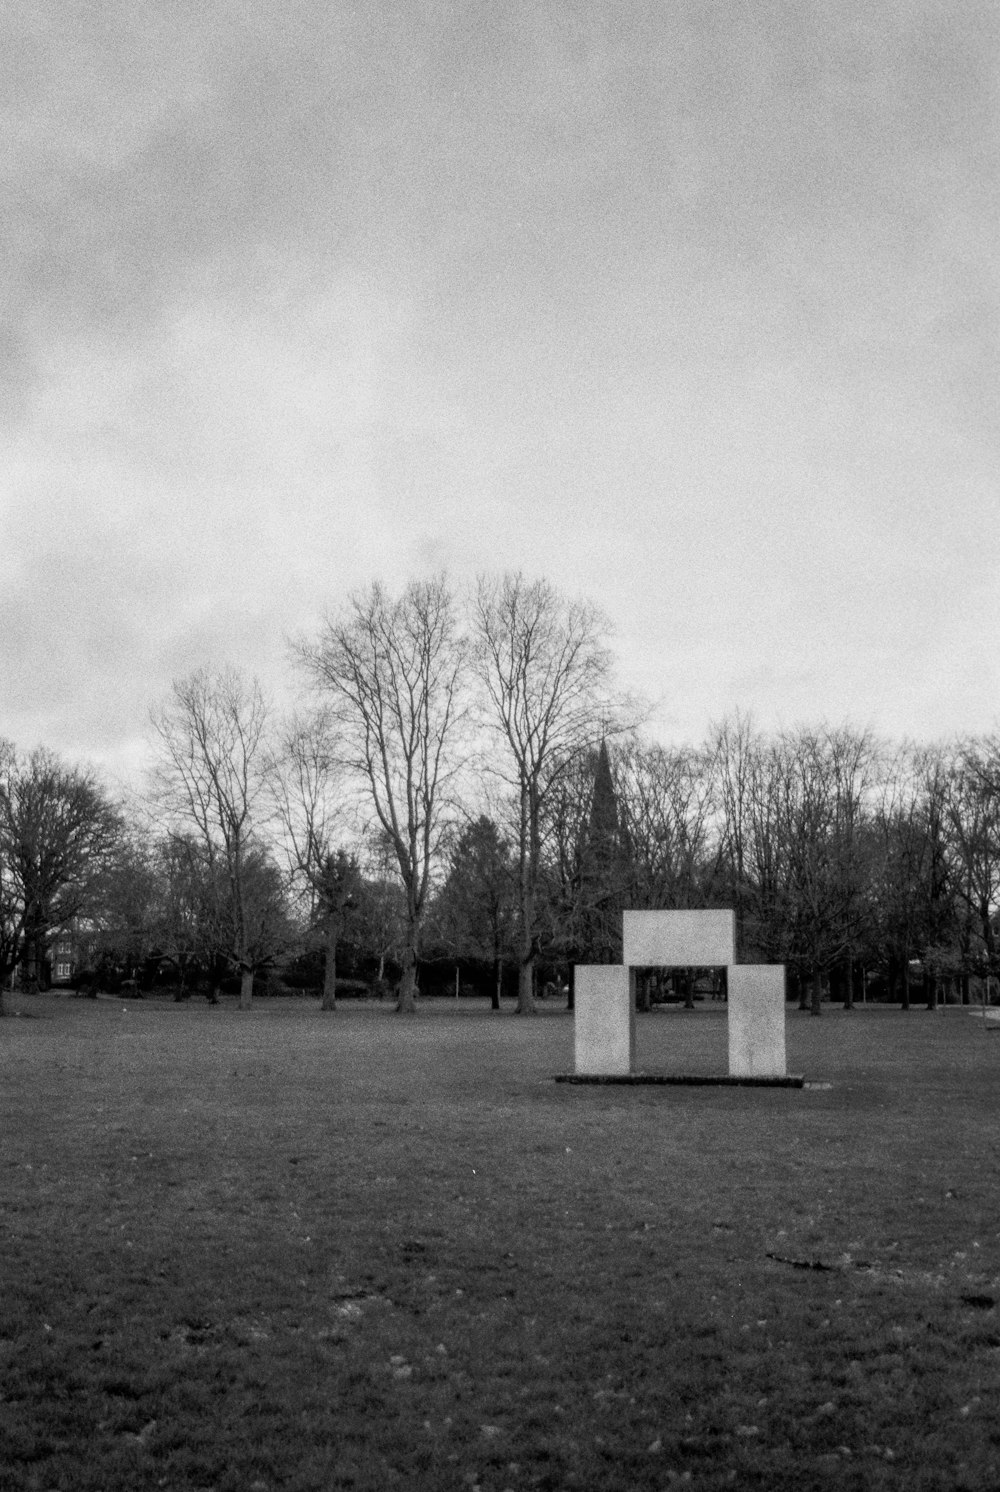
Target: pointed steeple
x,y
602,829
603,867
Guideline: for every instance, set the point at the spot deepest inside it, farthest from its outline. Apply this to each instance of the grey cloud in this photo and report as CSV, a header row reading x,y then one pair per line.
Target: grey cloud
x,y
595,227
94,633
401,132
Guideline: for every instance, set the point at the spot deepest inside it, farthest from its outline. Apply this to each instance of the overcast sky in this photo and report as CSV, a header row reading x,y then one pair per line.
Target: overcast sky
x,y
691,307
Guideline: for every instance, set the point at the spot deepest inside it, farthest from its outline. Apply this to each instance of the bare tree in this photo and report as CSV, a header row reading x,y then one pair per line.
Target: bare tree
x,y
752,796
938,867
938,903
184,916
473,913
378,920
545,670
796,844
973,819
900,846
12,903
210,780
122,924
58,832
392,671
667,799
306,777
733,751
824,783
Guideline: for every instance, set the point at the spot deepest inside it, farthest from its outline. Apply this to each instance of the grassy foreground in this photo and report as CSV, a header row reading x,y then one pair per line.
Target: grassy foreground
x,y
286,1250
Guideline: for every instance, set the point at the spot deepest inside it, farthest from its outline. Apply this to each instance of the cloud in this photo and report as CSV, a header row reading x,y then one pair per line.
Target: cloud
x,y
691,307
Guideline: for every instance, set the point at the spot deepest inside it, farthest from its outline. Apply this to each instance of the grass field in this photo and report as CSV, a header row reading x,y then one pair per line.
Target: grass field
x,y
285,1250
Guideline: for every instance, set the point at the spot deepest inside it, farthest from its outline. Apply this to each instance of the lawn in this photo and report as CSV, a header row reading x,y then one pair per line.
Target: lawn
x,y
281,1249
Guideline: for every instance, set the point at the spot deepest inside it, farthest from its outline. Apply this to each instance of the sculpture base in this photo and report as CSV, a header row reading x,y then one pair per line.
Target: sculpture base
x,y
685,1079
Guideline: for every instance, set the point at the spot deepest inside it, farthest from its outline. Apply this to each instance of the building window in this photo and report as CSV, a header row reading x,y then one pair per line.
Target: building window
x,y
62,971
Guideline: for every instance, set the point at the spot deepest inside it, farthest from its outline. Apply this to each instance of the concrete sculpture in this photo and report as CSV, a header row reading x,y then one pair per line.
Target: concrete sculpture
x,y
604,1024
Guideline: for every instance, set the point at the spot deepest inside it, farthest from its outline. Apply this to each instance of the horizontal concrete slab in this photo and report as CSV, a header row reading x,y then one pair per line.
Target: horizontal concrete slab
x,y
679,940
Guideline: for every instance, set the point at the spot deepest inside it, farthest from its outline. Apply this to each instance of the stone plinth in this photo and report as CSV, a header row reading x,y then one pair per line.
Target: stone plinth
x,y
757,1020
604,1020
678,940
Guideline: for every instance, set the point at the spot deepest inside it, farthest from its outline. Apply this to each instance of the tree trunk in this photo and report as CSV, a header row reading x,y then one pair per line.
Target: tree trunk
x,y
688,977
497,983
571,988
803,992
32,965
407,1002
905,1001
816,1000
642,1001
526,985
966,995
528,873
246,989
849,984
329,997
931,980
526,962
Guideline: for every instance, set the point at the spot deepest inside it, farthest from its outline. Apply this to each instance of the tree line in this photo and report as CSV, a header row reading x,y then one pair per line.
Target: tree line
x,y
466,781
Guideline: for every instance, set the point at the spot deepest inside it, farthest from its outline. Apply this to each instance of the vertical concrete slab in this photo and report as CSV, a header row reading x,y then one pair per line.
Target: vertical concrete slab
x,y
679,940
603,1021
757,1021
